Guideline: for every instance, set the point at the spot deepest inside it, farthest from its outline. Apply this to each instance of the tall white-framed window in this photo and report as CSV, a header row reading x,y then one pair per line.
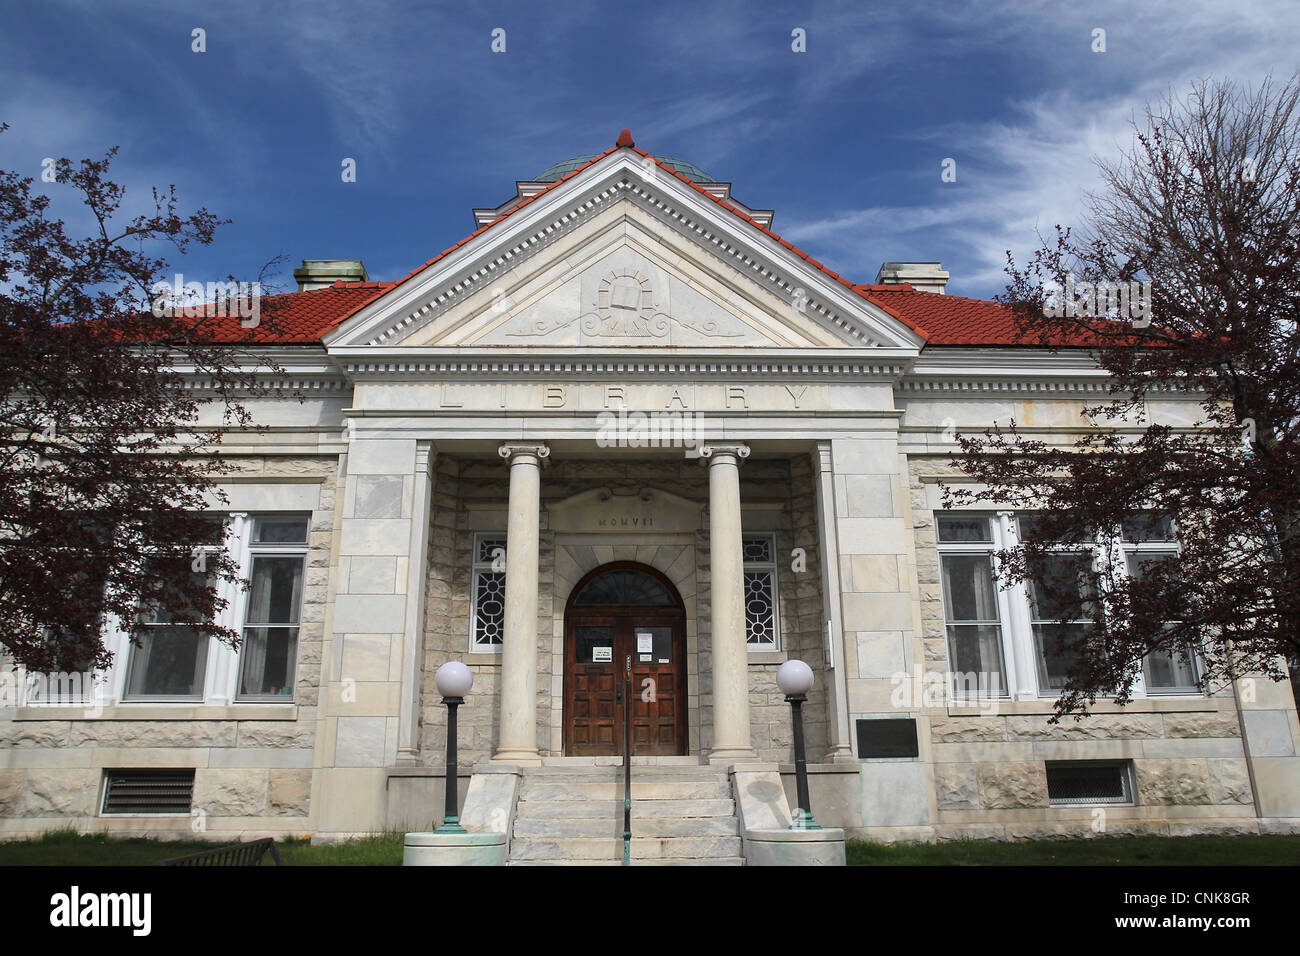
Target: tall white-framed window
x,y
173,665
488,584
274,563
1149,540
1060,620
1033,625
762,610
171,661
973,612
85,685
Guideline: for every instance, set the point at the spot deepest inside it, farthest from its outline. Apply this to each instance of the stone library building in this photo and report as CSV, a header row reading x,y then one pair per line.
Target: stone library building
x,y
623,424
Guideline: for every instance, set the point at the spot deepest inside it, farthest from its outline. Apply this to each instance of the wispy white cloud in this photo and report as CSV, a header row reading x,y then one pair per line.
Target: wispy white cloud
x,y
1025,171
845,139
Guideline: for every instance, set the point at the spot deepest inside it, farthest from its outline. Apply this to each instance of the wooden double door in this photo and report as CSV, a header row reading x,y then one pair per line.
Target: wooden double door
x,y
617,650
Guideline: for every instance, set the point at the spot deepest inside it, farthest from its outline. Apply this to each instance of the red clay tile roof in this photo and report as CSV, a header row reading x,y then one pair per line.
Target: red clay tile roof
x,y
295,318
305,317
955,320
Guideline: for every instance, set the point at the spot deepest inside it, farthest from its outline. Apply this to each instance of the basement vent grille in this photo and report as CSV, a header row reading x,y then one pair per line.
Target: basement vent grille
x,y
148,791
1087,783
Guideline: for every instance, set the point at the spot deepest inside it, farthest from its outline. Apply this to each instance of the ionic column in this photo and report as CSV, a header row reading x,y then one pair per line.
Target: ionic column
x,y
731,740
519,639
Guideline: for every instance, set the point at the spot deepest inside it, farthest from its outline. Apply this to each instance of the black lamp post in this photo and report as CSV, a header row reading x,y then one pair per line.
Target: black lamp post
x,y
453,681
795,679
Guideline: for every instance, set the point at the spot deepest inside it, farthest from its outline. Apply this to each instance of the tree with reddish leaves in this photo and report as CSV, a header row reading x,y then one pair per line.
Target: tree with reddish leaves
x,y
1206,208
112,408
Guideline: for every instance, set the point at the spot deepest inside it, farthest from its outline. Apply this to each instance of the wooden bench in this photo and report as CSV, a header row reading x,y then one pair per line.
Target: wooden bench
x,y
237,854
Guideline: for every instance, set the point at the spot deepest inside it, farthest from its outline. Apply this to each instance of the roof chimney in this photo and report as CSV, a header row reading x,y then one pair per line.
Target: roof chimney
x,y
925,276
322,273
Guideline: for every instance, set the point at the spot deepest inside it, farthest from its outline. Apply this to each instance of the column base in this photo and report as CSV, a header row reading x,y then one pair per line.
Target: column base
x,y
519,757
842,754
730,755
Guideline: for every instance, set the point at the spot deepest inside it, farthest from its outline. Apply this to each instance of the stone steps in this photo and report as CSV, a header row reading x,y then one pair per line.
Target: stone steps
x,y
710,861
659,789
607,772
643,848
682,814
611,826
570,763
613,810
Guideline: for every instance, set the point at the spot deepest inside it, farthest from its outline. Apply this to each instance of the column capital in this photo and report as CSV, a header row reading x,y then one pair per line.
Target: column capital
x,y
425,455
523,451
823,463
718,452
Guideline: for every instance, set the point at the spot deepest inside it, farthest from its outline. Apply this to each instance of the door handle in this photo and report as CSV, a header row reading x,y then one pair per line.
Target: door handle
x,y
618,692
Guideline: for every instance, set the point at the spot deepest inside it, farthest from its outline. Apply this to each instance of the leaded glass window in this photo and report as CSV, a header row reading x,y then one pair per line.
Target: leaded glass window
x,y
625,587
762,616
489,609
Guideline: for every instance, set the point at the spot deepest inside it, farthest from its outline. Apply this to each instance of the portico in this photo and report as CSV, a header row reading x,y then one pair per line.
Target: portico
x,y
621,340
563,510
730,678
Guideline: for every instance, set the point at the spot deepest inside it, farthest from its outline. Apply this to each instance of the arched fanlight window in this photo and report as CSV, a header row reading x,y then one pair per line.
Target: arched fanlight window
x,y
625,587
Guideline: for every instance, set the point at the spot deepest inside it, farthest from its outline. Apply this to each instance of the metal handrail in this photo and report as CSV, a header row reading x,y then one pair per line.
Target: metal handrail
x,y
627,762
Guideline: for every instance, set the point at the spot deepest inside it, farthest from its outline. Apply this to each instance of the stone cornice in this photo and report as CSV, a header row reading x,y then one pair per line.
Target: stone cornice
x,y
293,369
326,385
1032,384
469,269
417,364
909,387
780,282
1009,371
473,280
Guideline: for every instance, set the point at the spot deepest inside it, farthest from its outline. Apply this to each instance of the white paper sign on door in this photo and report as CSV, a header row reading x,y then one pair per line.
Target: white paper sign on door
x,y
645,642
602,655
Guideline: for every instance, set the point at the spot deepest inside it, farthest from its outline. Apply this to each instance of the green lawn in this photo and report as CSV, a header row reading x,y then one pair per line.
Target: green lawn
x,y
1101,851
66,848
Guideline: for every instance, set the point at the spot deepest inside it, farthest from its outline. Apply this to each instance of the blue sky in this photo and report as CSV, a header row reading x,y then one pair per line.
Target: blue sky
x,y
845,141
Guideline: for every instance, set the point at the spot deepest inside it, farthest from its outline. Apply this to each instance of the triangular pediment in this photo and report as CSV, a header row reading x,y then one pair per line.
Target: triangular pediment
x,y
621,257
622,286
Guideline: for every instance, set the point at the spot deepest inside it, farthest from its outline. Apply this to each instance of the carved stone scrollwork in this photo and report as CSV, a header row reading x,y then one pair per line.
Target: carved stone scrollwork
x,y
641,494
522,451
737,452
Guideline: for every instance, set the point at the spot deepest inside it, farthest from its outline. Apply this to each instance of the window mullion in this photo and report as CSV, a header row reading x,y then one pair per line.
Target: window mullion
x,y
1019,618
487,595
221,679
768,568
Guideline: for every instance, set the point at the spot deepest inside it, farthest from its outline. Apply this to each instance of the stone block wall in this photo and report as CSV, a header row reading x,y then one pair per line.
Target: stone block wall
x,y
253,772
447,618
802,619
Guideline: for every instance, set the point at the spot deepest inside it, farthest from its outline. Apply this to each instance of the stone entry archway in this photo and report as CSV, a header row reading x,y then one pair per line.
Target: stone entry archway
x,y
625,615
